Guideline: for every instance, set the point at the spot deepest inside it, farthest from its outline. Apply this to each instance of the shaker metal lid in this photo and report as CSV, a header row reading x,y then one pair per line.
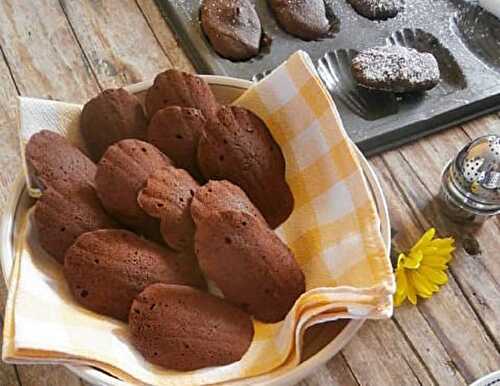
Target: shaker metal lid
x,y
476,170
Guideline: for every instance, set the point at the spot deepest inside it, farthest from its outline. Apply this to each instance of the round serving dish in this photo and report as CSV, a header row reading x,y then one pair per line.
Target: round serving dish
x,y
320,344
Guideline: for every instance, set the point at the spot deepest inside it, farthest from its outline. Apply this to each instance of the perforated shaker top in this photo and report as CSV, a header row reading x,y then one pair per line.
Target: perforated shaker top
x,y
476,170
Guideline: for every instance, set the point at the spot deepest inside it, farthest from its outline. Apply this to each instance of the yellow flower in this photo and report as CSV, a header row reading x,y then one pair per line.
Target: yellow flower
x,y
422,270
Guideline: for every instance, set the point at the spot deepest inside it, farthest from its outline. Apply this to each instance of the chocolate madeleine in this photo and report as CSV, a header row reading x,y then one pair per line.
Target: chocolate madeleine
x,y
177,88
167,196
111,116
252,267
377,9
237,146
232,27
395,69
305,19
218,196
121,173
182,328
54,162
106,269
176,132
61,216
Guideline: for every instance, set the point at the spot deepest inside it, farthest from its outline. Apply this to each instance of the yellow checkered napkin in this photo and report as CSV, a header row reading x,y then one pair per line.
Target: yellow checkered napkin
x,y
333,231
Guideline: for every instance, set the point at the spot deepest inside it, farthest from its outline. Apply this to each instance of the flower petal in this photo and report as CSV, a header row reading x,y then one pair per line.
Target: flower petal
x,y
413,260
423,285
425,239
444,251
435,261
399,298
410,291
438,266
434,275
447,242
419,287
429,250
401,259
401,287
401,281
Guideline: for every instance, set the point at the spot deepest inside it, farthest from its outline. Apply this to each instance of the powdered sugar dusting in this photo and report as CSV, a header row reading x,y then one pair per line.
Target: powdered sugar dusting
x,y
377,9
395,68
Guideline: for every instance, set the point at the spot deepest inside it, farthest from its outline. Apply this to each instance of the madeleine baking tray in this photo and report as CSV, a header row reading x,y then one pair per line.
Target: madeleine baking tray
x,y
464,38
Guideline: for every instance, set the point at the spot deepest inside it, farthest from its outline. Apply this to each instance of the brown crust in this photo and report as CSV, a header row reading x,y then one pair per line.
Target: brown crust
x,y
219,196
305,19
238,251
121,173
106,269
54,162
395,69
176,132
177,88
250,265
232,27
62,216
109,117
181,328
237,146
167,196
377,9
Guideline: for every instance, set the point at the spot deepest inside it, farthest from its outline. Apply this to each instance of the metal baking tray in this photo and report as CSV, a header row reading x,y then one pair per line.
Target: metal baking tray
x,y
464,38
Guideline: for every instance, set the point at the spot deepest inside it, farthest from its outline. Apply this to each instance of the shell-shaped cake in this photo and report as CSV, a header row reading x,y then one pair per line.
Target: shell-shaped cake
x,y
233,28
218,196
377,9
306,19
451,74
167,196
106,269
237,146
111,116
176,132
63,215
182,328
54,162
178,88
334,68
247,261
396,69
121,173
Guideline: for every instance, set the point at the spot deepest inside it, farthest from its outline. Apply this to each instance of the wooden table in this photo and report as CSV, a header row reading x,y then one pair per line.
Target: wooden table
x,y
70,50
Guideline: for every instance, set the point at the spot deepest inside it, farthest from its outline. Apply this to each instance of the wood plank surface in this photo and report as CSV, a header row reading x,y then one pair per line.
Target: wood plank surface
x,y
450,313
8,373
69,50
117,41
379,355
47,376
9,160
45,61
165,36
336,372
42,52
477,277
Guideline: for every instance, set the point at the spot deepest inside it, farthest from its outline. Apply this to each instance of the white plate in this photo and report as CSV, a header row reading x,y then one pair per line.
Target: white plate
x,y
327,340
492,379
